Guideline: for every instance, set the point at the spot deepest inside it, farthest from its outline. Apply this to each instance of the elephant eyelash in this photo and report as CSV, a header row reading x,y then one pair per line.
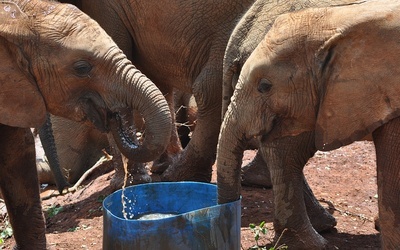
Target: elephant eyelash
x,y
264,86
82,68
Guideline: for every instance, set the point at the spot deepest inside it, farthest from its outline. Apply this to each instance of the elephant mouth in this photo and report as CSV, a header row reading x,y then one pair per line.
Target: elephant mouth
x,y
95,113
269,130
127,133
119,122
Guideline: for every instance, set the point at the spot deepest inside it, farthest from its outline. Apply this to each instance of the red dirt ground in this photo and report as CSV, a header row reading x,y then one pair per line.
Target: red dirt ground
x,y
343,180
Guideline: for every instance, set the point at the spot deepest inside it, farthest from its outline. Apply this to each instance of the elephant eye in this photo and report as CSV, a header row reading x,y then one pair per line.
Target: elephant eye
x,y
82,68
264,86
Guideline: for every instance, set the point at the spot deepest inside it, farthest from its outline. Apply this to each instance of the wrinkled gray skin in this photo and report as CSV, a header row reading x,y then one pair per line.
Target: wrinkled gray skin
x,y
92,82
250,30
185,53
320,79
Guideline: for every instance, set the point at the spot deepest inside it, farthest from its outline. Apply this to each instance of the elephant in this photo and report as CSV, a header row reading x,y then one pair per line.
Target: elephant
x,y
330,76
247,34
56,59
245,37
184,55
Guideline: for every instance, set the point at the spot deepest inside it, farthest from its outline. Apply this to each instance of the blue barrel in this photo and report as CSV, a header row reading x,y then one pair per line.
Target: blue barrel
x,y
198,221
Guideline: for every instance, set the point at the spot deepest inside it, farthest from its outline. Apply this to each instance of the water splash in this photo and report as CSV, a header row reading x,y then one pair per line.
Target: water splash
x,y
130,130
123,197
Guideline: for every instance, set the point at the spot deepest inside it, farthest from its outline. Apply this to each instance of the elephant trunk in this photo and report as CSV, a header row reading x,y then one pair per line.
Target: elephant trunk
x,y
143,96
230,150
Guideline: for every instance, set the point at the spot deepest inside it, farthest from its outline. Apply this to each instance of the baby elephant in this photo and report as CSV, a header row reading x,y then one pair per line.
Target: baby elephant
x,y
56,59
328,75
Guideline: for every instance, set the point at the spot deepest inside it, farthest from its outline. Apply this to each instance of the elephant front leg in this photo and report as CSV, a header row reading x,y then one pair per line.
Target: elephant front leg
x,y
303,146
387,146
20,187
291,220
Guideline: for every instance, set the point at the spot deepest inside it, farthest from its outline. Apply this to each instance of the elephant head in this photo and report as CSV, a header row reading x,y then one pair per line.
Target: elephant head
x,y
56,59
329,71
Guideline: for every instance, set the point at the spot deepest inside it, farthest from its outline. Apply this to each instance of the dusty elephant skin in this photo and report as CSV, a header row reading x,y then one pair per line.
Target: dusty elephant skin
x,y
247,34
56,59
184,53
329,74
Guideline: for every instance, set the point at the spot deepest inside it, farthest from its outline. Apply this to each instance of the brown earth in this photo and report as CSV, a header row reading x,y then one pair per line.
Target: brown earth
x,y
343,180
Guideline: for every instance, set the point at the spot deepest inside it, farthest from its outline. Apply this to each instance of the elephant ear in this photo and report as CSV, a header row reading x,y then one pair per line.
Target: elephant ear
x,y
360,82
21,103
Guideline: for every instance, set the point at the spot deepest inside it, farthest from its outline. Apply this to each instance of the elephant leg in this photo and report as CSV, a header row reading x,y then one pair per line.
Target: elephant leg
x,y
20,187
320,218
387,145
291,220
256,173
195,161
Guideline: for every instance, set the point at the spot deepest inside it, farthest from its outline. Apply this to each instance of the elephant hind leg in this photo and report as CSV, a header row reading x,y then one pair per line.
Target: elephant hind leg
x,y
20,187
320,218
387,146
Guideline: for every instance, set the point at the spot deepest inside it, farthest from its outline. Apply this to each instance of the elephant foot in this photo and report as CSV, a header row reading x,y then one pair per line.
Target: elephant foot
x,y
137,175
323,222
256,173
301,239
189,168
320,218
